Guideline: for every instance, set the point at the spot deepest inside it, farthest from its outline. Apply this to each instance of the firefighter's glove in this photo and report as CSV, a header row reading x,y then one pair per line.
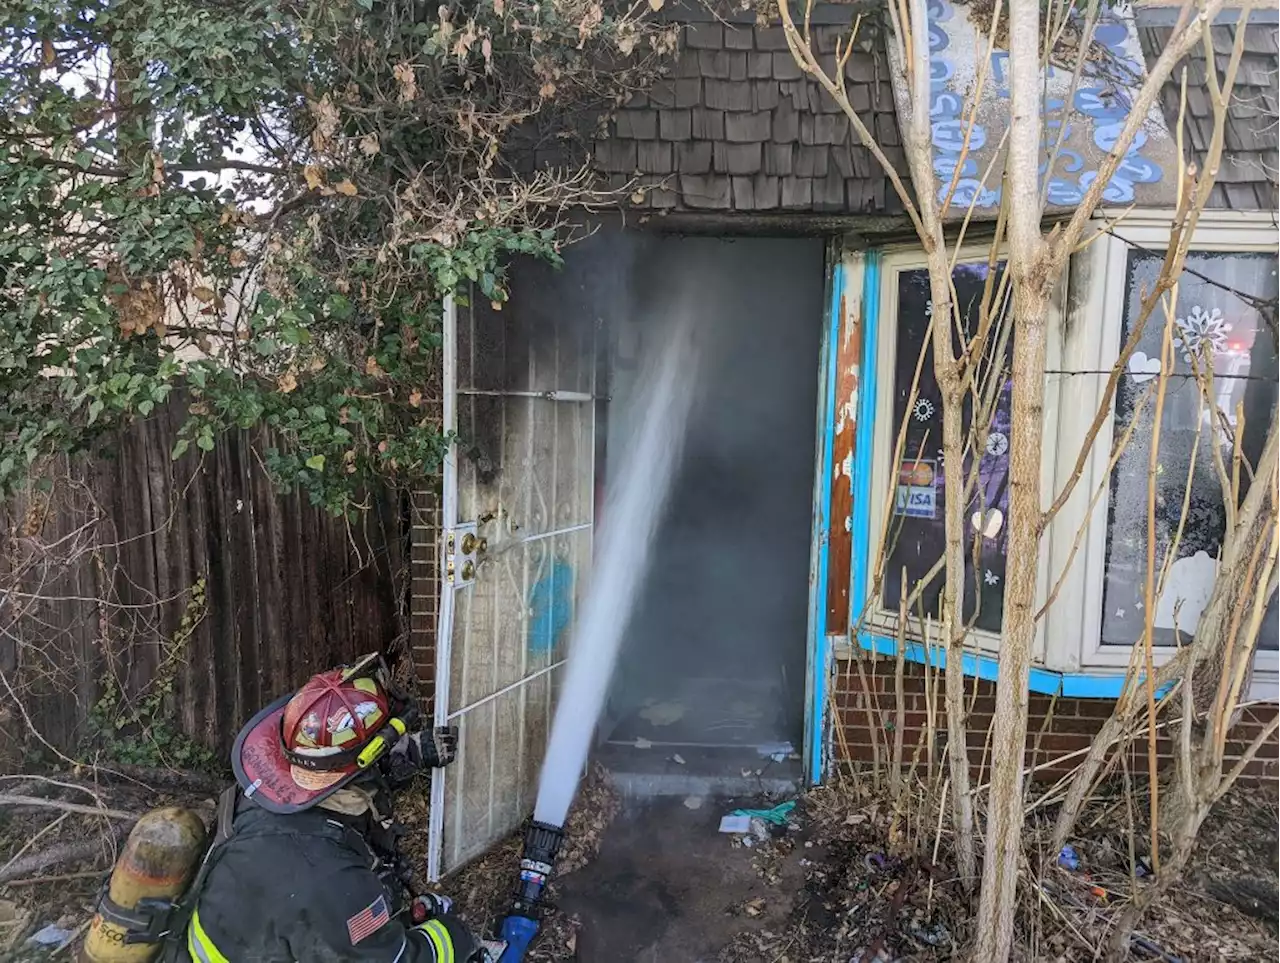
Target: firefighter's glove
x,y
439,746
428,906
416,751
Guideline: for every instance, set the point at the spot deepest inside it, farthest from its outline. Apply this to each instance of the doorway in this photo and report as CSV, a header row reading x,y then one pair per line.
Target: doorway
x,y
711,681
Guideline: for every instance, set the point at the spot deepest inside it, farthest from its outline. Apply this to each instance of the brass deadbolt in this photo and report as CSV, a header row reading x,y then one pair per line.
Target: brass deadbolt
x,y
468,571
469,543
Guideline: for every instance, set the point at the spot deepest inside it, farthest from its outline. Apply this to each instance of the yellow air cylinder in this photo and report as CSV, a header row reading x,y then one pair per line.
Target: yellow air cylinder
x,y
157,862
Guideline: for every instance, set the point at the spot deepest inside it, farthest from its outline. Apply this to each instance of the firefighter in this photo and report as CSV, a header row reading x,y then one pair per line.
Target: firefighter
x,y
305,865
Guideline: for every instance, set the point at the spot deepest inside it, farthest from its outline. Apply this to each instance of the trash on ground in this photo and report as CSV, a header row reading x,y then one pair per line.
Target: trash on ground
x,y
1069,858
663,713
52,935
735,824
929,932
1143,867
678,759
643,743
874,862
777,751
692,802
754,907
777,815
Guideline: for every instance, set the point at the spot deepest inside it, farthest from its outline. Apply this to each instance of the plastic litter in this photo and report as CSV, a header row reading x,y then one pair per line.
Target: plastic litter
x,y
929,932
777,815
874,862
1143,867
693,802
735,824
1069,858
777,751
51,936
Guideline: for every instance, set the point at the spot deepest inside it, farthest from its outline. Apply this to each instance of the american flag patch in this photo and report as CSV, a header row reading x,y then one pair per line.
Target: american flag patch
x,y
370,919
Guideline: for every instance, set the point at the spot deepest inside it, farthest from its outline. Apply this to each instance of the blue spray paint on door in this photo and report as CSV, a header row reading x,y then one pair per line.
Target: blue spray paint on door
x,y
550,608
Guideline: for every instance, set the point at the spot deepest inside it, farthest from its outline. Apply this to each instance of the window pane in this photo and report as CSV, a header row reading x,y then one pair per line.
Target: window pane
x,y
1218,324
916,536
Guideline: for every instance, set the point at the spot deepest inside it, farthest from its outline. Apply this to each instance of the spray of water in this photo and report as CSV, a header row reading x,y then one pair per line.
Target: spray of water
x,y
633,504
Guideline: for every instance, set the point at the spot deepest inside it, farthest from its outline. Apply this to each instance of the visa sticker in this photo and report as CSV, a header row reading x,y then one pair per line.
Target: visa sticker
x,y
917,492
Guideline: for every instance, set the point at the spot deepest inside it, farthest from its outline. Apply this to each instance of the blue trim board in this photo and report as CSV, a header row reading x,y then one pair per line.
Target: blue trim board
x,y
864,434
1073,685
820,648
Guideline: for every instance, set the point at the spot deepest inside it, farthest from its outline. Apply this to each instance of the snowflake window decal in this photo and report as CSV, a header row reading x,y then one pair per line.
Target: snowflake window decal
x,y
997,443
990,577
923,409
1200,332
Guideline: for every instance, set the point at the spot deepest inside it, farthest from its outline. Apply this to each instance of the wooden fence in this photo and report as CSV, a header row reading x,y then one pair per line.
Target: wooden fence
x,y
98,575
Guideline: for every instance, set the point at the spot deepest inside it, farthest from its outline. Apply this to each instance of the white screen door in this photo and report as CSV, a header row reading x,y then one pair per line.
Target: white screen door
x,y
520,391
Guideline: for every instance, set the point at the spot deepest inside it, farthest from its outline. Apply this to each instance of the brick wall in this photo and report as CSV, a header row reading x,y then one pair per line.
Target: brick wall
x,y
424,591
1058,726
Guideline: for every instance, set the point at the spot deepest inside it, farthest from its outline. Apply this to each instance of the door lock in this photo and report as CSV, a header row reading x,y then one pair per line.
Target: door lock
x,y
461,548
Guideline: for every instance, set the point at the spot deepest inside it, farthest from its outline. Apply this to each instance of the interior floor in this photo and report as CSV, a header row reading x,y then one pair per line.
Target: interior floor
x,y
714,655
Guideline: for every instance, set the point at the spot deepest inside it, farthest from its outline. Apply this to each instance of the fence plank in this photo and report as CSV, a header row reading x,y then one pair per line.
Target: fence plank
x,y
288,591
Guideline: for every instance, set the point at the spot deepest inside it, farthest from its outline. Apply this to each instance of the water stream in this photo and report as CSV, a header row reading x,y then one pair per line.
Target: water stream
x,y
632,509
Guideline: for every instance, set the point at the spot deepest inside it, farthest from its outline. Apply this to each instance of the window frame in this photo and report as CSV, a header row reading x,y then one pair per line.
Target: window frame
x,y
1074,638
895,261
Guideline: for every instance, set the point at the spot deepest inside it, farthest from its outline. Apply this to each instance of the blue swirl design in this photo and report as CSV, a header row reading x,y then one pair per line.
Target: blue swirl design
x,y
1105,102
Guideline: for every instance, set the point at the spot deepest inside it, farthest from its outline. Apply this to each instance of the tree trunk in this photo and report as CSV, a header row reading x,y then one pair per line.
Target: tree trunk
x,y
1031,288
919,149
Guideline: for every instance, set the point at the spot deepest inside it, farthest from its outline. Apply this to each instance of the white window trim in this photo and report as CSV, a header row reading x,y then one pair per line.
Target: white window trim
x,y
885,438
1091,342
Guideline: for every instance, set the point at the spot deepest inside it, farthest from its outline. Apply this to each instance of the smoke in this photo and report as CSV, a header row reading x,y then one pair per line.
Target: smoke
x,y
632,510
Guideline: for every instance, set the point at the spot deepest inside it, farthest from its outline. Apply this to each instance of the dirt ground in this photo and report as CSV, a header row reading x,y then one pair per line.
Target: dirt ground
x,y
641,882
667,886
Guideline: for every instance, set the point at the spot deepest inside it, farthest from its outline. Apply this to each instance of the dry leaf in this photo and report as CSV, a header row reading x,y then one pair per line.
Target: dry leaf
x,y
369,145
237,258
202,293
495,305
407,80
50,55
415,399
637,197
547,90
314,176
371,367
499,7
656,5
345,187
287,382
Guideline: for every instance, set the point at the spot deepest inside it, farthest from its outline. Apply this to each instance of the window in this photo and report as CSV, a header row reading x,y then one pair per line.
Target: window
x,y
906,491
1224,317
916,538
1219,326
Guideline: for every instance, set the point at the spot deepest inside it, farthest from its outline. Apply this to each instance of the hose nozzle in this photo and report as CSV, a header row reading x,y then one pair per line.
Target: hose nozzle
x,y
541,845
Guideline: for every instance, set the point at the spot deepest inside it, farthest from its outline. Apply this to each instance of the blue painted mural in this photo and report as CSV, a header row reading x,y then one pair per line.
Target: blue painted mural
x,y
1097,109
